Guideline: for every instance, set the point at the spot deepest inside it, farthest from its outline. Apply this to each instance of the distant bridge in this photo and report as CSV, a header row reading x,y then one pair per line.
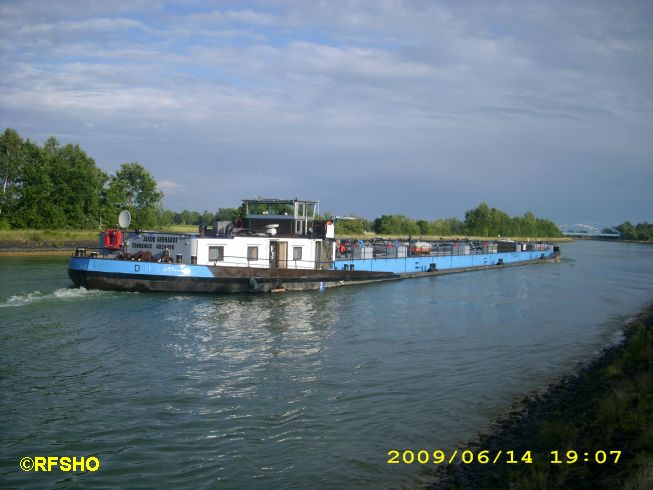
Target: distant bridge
x,y
593,230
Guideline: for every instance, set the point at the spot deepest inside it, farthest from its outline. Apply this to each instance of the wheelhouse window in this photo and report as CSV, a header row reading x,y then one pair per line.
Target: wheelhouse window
x,y
216,254
297,253
252,252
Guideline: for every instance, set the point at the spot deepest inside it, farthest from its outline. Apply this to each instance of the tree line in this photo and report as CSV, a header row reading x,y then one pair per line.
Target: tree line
x,y
482,221
639,232
54,186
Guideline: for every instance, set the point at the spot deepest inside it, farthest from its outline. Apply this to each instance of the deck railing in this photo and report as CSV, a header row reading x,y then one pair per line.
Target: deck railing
x,y
349,256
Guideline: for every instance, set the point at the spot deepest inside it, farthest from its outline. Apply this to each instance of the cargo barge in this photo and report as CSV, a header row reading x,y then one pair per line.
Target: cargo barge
x,y
279,245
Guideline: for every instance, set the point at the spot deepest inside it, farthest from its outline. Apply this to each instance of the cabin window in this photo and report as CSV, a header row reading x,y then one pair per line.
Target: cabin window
x,y
252,252
297,253
216,254
299,227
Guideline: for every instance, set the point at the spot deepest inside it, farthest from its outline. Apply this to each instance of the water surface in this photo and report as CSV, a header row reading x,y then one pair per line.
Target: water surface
x,y
295,390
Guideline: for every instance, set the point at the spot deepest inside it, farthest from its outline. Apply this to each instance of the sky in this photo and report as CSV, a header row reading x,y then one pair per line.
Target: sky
x,y
422,108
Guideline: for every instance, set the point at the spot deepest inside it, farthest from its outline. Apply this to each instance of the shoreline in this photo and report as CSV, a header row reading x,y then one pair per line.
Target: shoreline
x,y
45,252
603,405
20,248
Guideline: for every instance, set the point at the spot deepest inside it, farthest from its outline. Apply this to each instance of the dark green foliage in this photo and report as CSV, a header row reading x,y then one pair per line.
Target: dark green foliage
x,y
165,217
134,188
33,206
492,222
481,221
396,224
354,226
56,186
76,181
639,232
11,162
627,230
228,214
187,217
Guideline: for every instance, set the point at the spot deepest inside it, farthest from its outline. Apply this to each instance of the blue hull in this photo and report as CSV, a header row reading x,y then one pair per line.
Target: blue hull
x,y
443,262
127,275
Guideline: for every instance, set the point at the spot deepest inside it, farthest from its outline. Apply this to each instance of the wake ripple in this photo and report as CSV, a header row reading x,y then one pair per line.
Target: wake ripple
x,y
59,294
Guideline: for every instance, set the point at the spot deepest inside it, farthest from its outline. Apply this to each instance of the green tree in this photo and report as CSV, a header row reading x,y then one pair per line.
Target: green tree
x,y
11,163
477,221
49,186
395,224
644,231
453,226
165,217
187,217
228,214
640,231
35,207
208,217
77,185
547,228
627,230
354,226
133,188
528,224
490,222
424,227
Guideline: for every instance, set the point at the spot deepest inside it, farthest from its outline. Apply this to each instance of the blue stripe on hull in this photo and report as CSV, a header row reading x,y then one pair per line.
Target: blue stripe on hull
x,y
397,266
443,262
138,268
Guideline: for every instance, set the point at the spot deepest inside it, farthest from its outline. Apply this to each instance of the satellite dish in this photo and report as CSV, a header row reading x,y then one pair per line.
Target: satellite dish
x,y
124,219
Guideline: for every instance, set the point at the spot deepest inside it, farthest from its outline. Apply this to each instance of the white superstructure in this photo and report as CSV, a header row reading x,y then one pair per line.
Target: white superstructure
x,y
274,233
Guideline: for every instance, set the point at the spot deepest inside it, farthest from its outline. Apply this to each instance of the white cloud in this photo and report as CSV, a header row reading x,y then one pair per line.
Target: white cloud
x,y
395,93
239,16
67,28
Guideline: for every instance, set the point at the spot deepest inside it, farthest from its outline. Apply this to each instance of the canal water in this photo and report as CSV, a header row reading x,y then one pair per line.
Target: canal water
x,y
293,391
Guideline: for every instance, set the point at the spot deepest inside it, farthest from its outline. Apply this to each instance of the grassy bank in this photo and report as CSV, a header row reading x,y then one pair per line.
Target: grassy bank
x,y
48,242
39,236
44,242
607,406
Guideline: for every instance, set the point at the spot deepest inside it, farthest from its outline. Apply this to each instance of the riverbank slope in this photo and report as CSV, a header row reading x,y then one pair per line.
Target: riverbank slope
x,y
45,242
607,406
